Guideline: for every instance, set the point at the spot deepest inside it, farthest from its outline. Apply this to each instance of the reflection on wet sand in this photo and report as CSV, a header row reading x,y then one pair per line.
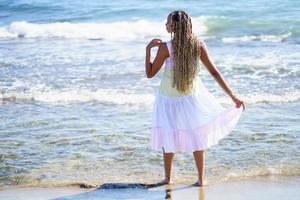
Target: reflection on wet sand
x,y
170,188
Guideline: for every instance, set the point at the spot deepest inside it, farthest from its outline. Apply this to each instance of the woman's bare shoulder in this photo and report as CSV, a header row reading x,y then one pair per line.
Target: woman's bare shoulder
x,y
201,43
164,48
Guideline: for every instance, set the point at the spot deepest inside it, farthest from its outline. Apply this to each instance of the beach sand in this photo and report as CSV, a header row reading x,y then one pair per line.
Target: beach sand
x,y
256,188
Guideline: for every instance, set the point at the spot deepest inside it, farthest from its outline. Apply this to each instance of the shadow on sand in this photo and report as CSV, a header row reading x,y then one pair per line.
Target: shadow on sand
x,y
155,191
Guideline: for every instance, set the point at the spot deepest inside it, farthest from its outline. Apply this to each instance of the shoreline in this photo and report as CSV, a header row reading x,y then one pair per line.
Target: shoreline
x,y
275,187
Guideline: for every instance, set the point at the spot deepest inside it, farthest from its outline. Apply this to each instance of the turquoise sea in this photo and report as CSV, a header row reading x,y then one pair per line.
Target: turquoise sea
x,y
75,103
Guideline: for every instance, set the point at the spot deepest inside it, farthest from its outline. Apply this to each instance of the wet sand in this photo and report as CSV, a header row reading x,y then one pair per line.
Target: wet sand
x,y
256,188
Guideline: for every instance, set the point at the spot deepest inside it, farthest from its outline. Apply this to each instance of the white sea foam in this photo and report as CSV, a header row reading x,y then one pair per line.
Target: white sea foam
x,y
104,96
121,97
4,33
256,98
263,38
272,98
95,175
119,30
264,61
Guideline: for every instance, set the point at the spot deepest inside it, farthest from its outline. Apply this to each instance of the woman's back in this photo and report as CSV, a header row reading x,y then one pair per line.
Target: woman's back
x,y
166,87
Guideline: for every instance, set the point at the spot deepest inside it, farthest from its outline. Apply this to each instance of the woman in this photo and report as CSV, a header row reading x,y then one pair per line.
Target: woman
x,y
186,116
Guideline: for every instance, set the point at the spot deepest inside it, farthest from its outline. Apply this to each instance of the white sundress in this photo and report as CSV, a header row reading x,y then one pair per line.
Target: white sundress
x,y
188,122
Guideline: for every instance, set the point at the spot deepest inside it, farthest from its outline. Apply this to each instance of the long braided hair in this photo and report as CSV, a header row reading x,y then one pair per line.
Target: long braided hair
x,y
186,51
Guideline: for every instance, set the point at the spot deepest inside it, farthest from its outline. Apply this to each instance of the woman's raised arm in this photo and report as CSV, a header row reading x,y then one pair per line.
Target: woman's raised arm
x,y
162,54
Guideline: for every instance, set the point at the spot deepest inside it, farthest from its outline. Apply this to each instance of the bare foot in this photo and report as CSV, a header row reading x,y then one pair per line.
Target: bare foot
x,y
201,182
166,181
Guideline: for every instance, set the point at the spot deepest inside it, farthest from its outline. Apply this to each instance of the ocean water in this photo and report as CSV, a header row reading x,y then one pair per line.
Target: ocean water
x,y
75,104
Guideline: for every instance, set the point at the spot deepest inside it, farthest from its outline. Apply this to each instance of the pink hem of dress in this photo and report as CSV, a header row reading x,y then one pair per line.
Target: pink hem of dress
x,y
196,139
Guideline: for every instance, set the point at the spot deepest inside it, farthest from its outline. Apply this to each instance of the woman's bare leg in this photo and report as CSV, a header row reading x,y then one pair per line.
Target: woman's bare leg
x,y
199,159
168,159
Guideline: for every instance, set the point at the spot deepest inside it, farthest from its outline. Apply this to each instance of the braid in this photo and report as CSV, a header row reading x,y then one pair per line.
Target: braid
x,y
186,52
